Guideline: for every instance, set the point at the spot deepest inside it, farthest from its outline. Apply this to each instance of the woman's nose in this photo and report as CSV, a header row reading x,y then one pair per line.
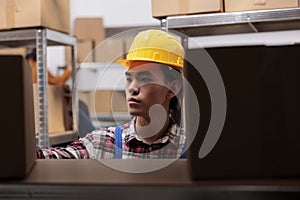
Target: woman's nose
x,y
133,88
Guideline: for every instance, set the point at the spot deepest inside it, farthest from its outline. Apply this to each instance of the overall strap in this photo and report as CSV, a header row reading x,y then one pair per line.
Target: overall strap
x,y
183,155
118,142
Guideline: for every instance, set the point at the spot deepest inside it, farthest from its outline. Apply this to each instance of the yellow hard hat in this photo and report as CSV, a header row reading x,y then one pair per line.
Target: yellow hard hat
x,y
155,46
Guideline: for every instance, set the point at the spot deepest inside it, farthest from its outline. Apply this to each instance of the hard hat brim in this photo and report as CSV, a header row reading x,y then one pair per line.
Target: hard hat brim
x,y
125,63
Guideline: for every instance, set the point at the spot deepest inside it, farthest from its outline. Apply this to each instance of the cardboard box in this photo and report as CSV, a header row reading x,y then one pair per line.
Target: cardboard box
x,y
17,124
108,101
89,28
55,109
54,14
85,51
110,50
183,7
104,101
238,5
13,51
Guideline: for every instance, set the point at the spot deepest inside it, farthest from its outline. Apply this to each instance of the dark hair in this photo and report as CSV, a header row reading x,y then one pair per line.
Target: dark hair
x,y
31,54
171,74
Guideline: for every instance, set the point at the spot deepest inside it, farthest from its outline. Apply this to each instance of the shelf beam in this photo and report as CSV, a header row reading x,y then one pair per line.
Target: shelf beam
x,y
234,22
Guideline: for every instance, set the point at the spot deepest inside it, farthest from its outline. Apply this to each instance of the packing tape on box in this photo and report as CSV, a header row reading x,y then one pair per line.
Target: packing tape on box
x,y
10,9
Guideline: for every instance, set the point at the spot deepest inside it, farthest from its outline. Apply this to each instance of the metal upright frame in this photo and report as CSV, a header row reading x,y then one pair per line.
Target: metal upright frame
x,y
41,38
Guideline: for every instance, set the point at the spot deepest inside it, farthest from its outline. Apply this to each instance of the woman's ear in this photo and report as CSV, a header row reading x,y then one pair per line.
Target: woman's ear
x,y
175,87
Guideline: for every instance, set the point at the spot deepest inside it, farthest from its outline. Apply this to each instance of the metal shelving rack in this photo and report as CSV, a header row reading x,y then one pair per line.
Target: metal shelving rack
x,y
234,22
40,38
218,24
212,24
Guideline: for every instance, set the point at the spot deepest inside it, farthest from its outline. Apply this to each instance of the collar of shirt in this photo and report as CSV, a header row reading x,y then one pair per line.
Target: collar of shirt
x,y
171,134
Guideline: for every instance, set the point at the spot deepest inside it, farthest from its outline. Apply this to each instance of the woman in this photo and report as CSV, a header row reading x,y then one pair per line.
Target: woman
x,y
153,92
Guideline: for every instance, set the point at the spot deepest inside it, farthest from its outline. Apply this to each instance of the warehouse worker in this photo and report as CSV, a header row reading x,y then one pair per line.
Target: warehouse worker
x,y
52,80
153,93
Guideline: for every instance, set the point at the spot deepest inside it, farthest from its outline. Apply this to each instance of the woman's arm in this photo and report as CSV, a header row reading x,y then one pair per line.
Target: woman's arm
x,y
76,150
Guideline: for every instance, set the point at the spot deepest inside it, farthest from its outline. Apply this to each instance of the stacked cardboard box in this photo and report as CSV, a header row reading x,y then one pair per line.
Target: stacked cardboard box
x,y
85,51
110,50
89,32
92,44
238,5
107,101
184,7
89,29
104,101
54,14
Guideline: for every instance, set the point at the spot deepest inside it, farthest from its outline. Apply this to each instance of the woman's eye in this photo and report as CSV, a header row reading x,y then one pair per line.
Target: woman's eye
x,y
146,80
128,80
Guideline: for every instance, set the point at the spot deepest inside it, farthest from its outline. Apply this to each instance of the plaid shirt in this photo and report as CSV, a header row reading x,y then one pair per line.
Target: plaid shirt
x,y
100,144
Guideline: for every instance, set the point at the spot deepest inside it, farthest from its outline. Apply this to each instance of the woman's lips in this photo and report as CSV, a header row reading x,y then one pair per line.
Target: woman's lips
x,y
133,101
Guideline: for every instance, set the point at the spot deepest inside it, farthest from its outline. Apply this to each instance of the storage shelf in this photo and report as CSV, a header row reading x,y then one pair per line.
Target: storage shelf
x,y
234,22
27,38
41,38
61,138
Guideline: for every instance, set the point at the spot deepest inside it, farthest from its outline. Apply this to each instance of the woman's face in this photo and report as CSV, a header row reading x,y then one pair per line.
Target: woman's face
x,y
145,87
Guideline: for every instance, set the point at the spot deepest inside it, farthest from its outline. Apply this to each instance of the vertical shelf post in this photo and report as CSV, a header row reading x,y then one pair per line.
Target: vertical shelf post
x,y
42,87
75,104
